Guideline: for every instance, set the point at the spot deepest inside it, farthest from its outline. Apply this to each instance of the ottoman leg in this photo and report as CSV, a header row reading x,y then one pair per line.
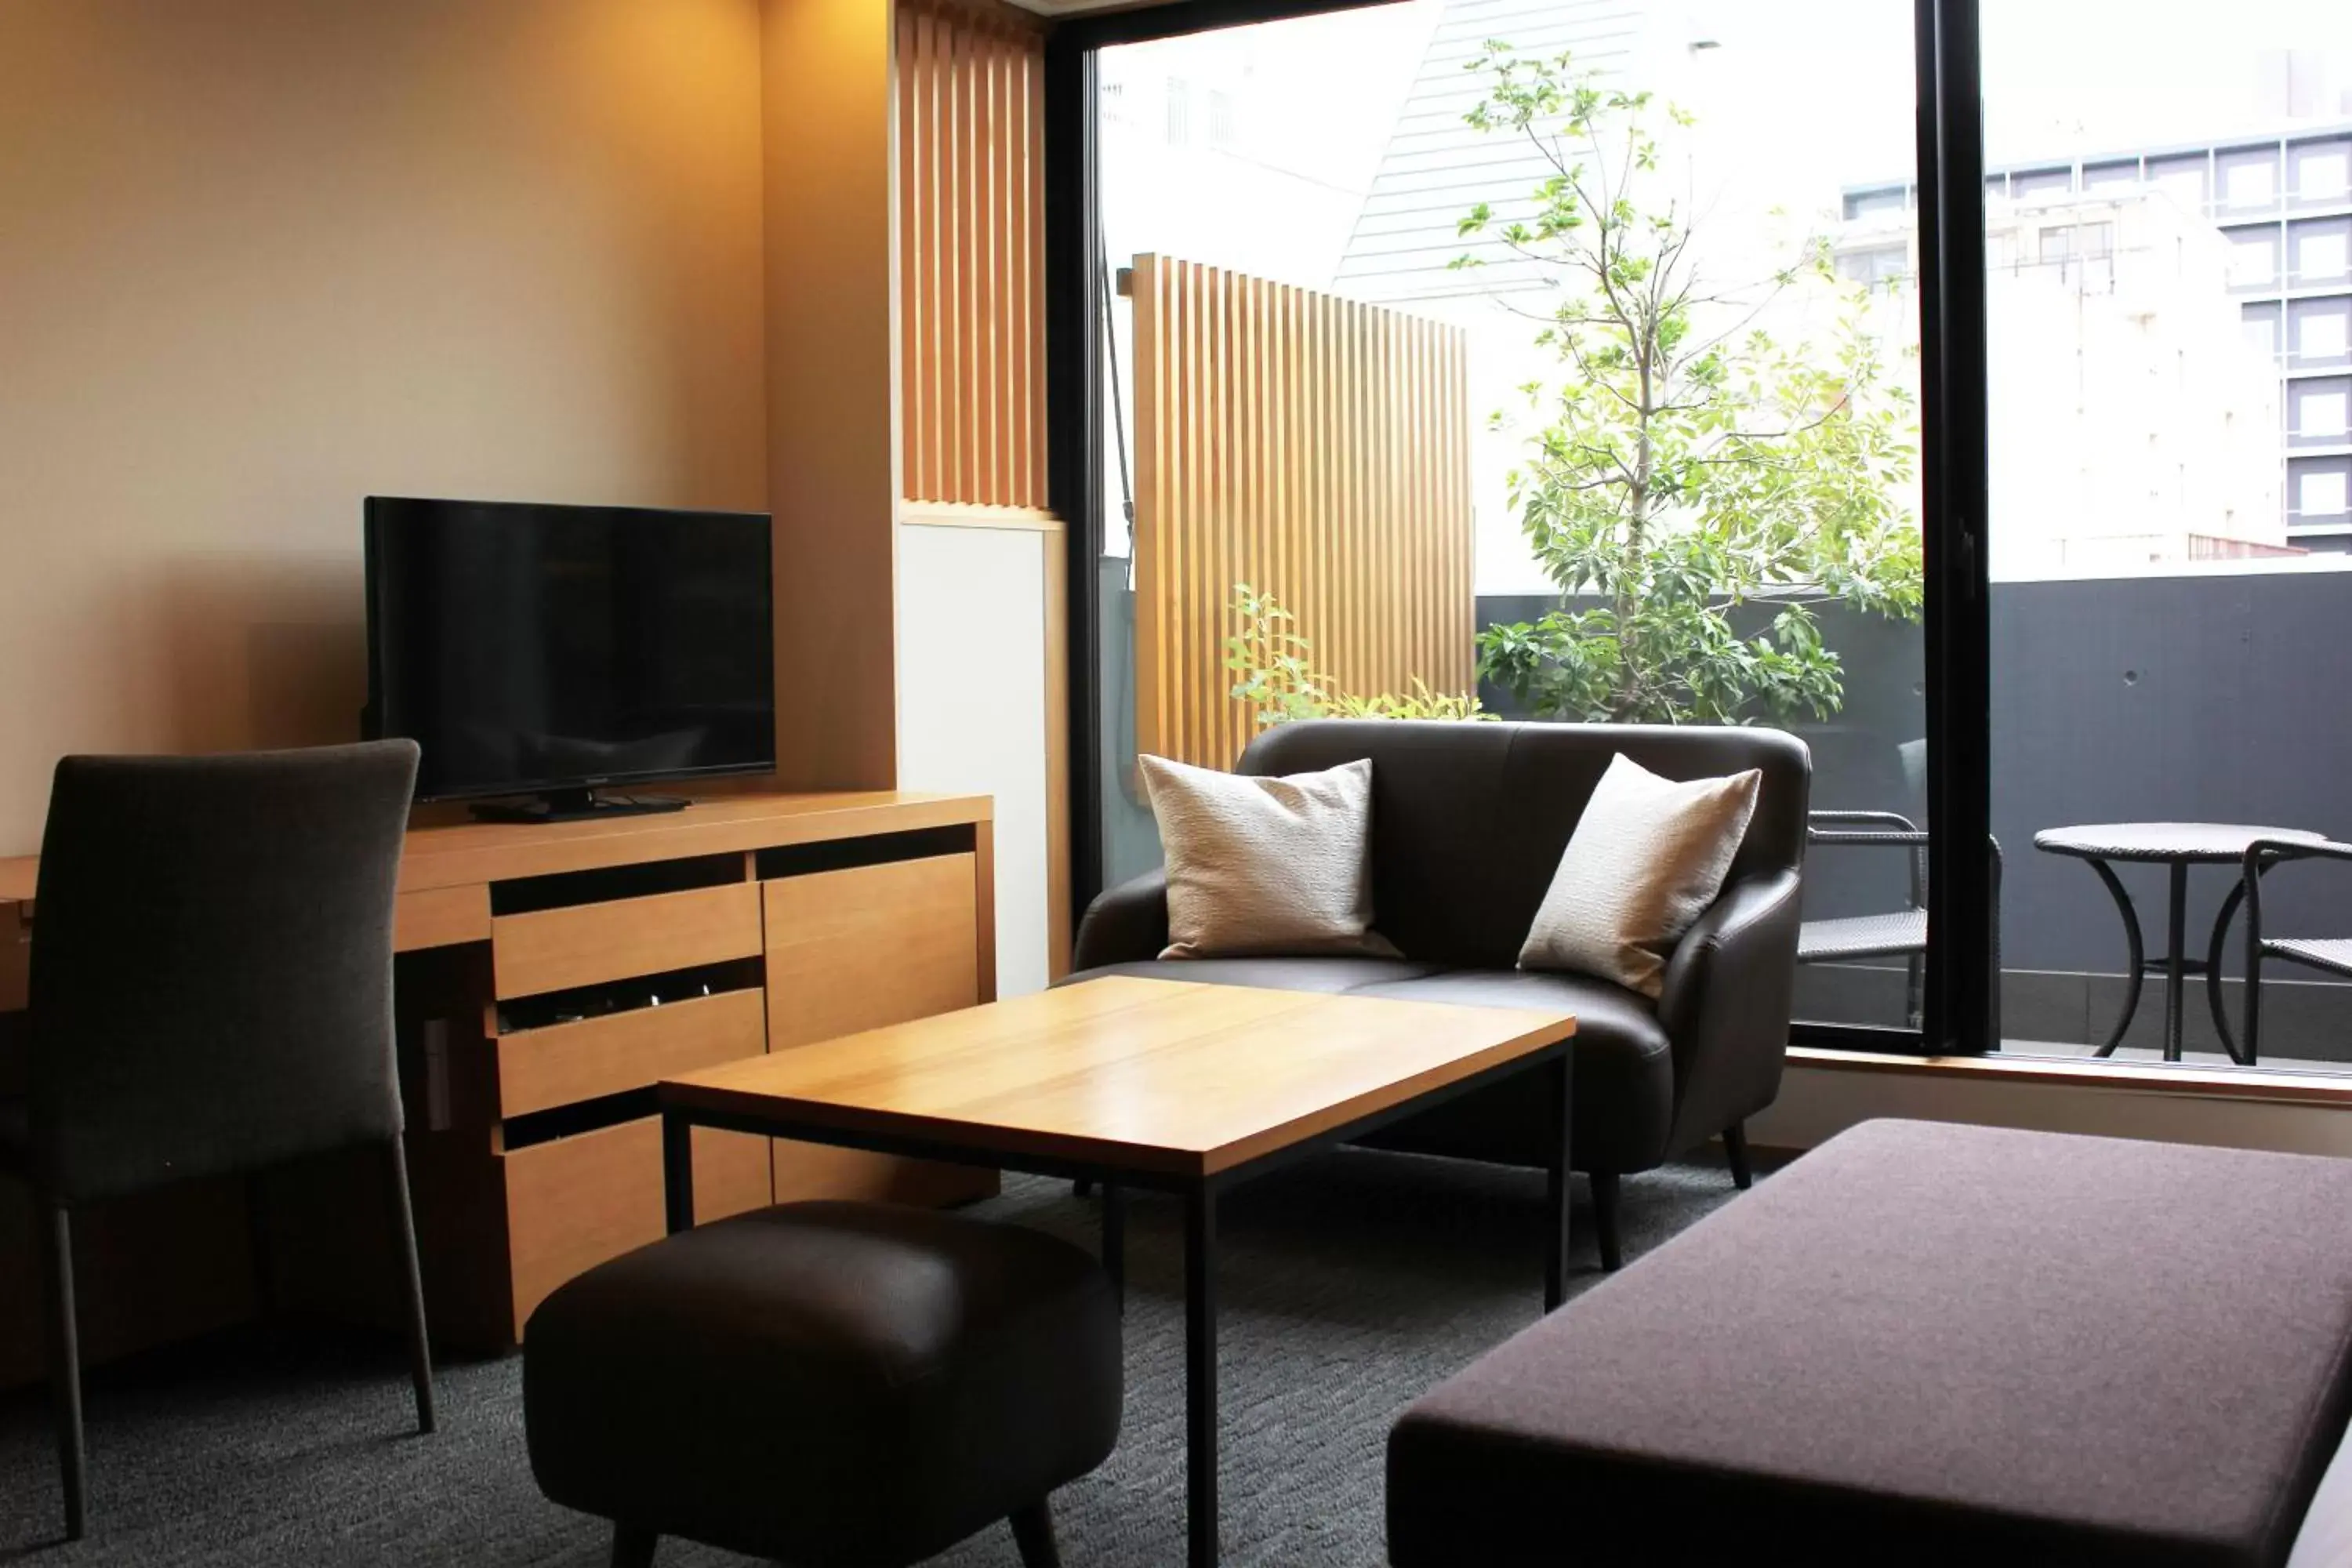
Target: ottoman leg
x,y
1032,1533
632,1547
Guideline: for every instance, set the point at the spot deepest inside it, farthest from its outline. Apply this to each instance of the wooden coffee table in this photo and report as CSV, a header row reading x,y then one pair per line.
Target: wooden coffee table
x,y
1155,1084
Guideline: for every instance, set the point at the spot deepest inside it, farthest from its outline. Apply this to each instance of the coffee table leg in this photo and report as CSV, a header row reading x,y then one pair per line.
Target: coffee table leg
x,y
677,1171
1556,1228
1201,1375
2175,921
1114,1240
2135,963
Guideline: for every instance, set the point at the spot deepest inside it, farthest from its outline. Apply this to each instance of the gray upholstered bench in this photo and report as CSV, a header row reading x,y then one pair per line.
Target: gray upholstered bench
x,y
1924,1344
849,1386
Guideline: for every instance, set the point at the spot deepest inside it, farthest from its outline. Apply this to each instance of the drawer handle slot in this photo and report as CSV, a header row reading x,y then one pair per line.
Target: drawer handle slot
x,y
523,1013
568,889
580,1116
877,849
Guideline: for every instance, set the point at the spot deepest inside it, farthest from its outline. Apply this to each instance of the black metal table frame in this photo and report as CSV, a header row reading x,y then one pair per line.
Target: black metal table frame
x,y
2175,966
1200,1195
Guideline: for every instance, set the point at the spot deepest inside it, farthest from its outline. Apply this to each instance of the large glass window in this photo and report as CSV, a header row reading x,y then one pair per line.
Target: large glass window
x,y
2170,451
1558,362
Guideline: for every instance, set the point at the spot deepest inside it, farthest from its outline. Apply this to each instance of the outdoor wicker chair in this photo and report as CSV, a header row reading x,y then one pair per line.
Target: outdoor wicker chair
x,y
2333,955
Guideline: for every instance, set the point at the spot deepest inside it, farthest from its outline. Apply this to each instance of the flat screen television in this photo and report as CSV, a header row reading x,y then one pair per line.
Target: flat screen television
x,y
551,651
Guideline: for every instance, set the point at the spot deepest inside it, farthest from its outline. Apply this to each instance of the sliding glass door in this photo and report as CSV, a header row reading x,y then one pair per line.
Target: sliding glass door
x,y
2167,288
1565,361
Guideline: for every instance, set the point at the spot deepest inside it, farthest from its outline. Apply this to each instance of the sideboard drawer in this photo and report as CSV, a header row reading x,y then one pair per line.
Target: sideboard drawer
x,y
587,944
576,1202
565,1063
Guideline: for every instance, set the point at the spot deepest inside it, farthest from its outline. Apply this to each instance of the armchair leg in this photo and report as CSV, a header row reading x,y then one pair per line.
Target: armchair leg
x,y
1032,1533
632,1547
2254,1021
1735,1155
65,1362
1084,1187
1604,1217
411,1291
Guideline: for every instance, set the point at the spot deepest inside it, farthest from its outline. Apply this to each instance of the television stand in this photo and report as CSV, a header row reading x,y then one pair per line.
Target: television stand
x,y
575,806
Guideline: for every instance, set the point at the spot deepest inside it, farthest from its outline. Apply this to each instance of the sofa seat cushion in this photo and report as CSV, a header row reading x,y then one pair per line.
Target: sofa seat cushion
x,y
1330,975
1625,1096
1921,1344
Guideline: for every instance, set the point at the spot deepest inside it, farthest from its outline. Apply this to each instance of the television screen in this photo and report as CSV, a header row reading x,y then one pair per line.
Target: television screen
x,y
535,648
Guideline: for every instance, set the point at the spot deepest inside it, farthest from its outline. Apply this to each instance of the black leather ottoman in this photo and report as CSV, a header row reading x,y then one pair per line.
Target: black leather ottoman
x,y
851,1385
1922,1346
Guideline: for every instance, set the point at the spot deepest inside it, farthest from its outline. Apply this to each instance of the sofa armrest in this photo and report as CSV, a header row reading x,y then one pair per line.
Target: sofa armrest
x,y
1729,994
1124,924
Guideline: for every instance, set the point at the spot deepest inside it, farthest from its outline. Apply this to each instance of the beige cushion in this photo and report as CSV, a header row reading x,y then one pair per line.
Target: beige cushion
x,y
1647,858
1266,865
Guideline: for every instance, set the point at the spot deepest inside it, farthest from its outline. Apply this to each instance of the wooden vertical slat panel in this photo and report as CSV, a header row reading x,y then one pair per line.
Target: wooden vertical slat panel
x,y
1033,294
1143,345
937,262
910,294
1316,448
971,162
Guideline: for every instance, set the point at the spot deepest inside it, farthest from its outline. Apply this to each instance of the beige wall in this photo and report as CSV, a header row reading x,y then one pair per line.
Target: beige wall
x,y
260,258
832,404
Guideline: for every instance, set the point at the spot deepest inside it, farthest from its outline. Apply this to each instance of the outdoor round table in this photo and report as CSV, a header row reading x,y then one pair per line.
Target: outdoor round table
x,y
2178,845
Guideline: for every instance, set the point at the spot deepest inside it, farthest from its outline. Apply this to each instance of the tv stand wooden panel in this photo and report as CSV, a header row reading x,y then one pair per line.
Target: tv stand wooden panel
x,y
529,959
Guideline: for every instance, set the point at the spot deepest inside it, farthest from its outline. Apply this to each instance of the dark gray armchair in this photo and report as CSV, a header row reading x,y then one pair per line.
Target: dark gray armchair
x,y
1468,823
211,994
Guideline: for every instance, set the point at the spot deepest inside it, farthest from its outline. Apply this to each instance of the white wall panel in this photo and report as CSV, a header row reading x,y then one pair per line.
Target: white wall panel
x,y
972,706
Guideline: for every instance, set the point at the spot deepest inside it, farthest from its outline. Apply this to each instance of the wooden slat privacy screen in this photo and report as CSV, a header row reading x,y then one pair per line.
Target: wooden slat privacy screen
x,y
1317,450
972,254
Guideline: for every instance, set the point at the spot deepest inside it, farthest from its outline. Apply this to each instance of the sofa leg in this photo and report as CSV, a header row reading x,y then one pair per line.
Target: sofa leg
x,y
1735,1155
632,1547
1604,1217
1032,1533
1084,1187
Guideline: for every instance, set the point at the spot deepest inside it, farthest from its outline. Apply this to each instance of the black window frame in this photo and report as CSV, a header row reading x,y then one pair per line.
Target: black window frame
x,y
1962,1007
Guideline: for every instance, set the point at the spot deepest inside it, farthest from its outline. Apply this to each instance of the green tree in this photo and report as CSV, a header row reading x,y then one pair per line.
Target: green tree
x,y
1688,463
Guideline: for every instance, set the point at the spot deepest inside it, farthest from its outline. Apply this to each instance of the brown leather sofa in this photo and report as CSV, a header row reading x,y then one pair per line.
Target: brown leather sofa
x,y
1468,823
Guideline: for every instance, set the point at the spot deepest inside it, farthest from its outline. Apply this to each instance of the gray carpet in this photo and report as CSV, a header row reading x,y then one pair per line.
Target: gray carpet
x,y
1348,1284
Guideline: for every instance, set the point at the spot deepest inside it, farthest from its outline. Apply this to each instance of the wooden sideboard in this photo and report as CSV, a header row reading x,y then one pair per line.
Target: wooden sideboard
x,y
547,977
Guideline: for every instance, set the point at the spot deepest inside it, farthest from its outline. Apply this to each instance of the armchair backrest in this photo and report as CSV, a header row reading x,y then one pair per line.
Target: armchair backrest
x,y
1469,819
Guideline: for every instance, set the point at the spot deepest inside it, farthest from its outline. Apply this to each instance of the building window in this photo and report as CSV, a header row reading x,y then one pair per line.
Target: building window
x,y
2320,171
1878,266
2057,243
1179,112
1872,203
2319,490
2110,176
2249,177
2095,239
2319,412
2031,182
2319,333
2319,252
